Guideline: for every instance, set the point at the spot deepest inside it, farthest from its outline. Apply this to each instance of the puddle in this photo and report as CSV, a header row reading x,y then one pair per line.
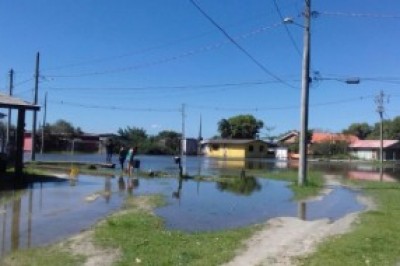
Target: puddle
x,y
48,212
203,207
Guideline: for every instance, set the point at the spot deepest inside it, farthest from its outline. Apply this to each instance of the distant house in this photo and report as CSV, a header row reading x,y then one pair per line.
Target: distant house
x,y
319,137
370,149
289,138
190,146
235,148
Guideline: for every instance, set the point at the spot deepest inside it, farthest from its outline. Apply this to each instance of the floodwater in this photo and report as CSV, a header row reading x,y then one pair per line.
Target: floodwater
x,y
44,213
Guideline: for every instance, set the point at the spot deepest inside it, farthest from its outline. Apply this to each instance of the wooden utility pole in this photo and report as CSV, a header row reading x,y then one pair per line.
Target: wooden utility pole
x,y
305,83
35,102
10,92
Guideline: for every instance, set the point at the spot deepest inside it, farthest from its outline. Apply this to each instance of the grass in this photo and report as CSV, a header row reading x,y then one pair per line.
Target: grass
x,y
314,185
41,257
84,168
143,238
375,239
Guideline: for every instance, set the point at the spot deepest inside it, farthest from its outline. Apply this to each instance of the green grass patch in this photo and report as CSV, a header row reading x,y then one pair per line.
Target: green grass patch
x,y
315,182
41,257
375,239
143,239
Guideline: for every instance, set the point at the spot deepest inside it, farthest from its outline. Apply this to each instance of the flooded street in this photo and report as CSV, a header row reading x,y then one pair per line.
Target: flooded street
x,y
44,213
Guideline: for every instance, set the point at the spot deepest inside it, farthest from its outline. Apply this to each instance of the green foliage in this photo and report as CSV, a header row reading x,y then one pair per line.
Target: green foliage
x,y
313,186
166,142
239,186
143,239
391,129
58,136
240,127
44,256
361,130
329,149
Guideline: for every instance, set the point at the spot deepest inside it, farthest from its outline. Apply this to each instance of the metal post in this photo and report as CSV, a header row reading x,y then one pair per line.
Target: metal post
x,y
305,82
35,101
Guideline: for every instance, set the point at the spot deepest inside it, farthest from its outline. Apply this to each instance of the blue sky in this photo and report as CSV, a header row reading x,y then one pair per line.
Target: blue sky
x,y
111,64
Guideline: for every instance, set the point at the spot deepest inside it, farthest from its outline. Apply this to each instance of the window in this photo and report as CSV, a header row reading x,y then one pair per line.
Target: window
x,y
251,148
215,147
261,148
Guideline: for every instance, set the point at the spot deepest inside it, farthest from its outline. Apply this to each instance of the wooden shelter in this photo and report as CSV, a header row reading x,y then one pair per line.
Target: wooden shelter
x,y
21,106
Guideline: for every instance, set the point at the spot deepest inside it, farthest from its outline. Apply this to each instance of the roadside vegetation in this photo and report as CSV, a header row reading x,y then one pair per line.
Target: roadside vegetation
x,y
48,256
375,239
141,238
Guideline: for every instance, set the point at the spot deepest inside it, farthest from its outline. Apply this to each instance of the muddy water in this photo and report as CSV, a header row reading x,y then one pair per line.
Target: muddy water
x,y
47,212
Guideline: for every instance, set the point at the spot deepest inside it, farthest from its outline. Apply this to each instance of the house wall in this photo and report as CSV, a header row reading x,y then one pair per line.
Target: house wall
x,y
237,151
364,154
388,155
281,153
190,146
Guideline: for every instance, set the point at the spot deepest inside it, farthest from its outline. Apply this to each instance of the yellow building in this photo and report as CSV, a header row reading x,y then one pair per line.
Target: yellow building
x,y
235,148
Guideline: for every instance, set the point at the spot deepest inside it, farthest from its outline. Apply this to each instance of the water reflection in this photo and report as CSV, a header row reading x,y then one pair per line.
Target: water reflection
x,y
47,212
240,186
371,176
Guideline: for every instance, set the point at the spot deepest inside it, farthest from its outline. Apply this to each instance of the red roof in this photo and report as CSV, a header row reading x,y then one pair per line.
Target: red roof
x,y
318,137
373,143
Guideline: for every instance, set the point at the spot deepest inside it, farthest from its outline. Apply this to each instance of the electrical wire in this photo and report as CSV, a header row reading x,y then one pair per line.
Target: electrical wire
x,y
114,107
366,15
146,88
244,51
287,29
193,52
217,108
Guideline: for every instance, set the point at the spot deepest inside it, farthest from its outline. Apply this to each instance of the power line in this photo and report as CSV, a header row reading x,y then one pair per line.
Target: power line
x,y
287,29
238,84
137,52
212,108
193,52
90,106
261,66
366,15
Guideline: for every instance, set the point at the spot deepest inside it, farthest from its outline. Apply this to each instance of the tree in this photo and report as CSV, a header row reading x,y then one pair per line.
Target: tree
x,y
240,127
171,140
224,128
61,127
361,130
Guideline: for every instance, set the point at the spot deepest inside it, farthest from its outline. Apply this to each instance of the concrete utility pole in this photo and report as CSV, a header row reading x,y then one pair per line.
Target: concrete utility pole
x,y
183,130
11,73
183,137
380,109
305,83
35,102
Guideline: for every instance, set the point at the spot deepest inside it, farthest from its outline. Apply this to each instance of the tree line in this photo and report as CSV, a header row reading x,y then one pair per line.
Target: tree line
x,y
58,135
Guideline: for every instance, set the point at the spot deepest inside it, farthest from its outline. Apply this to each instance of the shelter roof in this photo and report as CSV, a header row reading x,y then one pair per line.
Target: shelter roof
x,y
7,101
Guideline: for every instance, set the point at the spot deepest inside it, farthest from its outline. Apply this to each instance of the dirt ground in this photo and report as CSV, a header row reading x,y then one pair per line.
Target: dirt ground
x,y
277,243
283,239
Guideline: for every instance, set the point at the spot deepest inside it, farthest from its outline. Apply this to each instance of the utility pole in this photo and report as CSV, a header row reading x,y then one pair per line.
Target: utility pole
x,y
35,101
305,83
380,109
44,122
11,73
183,130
